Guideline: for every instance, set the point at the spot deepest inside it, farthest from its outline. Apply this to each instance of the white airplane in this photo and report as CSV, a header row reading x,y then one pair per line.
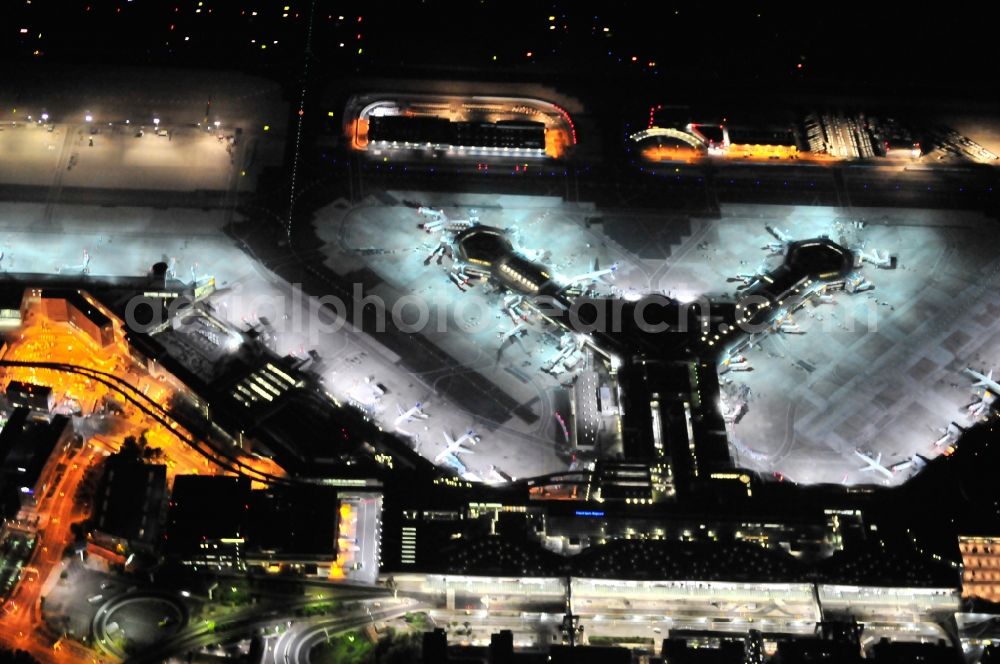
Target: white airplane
x,y
855,283
408,416
873,464
432,214
780,243
737,363
512,333
83,268
915,463
596,273
511,304
560,361
499,476
454,462
454,447
787,326
951,434
196,276
778,234
748,279
438,252
460,279
432,226
984,381
979,409
876,258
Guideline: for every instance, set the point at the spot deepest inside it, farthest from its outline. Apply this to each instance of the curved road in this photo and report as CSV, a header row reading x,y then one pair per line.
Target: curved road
x,y
235,626
294,646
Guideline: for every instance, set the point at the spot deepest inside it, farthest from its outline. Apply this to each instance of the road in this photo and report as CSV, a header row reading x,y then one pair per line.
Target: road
x,y
293,645
239,625
21,627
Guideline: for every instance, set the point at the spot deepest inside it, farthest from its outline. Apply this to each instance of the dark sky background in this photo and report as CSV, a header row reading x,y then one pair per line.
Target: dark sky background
x,y
833,48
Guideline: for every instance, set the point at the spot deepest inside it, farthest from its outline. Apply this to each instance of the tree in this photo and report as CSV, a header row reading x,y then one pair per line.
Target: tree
x,y
399,648
130,449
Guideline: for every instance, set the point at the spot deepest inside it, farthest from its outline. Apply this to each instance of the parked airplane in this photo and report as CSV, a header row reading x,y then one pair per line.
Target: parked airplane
x,y
915,463
780,242
432,226
778,234
735,363
511,305
498,475
875,257
407,416
197,277
83,268
512,333
432,214
748,279
855,283
460,279
787,326
984,381
822,297
980,408
563,360
597,272
454,447
454,462
950,435
874,464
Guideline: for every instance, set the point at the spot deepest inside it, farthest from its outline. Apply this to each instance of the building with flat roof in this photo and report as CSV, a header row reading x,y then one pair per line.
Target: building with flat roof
x,y
409,130
293,525
129,504
11,296
207,520
72,305
724,651
28,467
29,395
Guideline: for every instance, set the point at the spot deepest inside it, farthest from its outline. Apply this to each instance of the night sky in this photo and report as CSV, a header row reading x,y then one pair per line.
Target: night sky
x,y
836,48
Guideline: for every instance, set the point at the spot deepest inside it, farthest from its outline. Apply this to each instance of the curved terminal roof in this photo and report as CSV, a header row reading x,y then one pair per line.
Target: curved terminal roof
x,y
820,258
489,247
483,245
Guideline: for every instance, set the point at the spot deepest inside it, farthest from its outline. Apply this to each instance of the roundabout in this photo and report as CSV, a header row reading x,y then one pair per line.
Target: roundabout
x,y
132,622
